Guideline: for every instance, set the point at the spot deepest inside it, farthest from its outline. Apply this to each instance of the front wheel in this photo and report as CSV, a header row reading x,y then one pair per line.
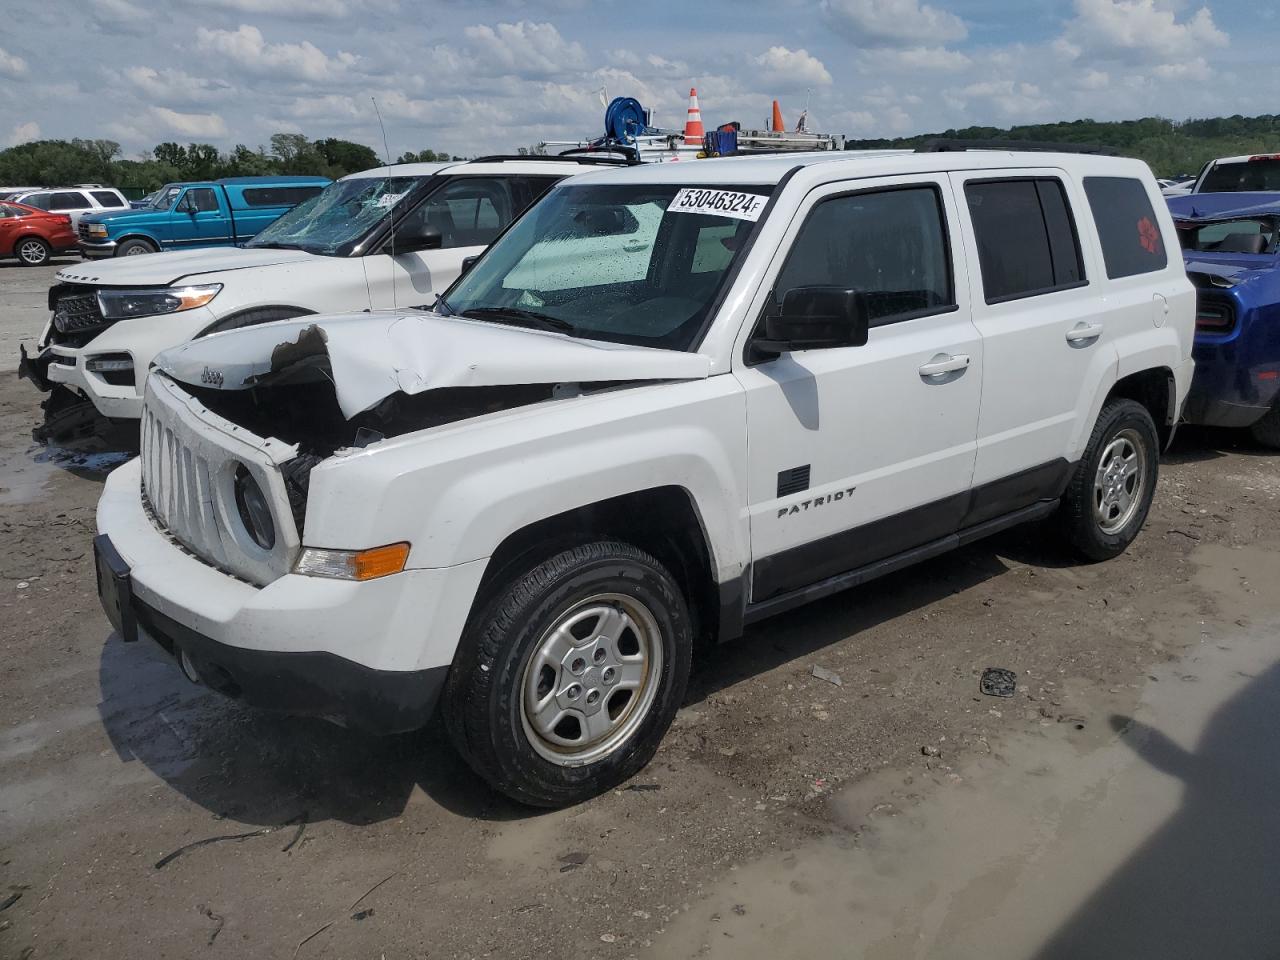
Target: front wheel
x,y
566,682
134,248
34,252
1109,496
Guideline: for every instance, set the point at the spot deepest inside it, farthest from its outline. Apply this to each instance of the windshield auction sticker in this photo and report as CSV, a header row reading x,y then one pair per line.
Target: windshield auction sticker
x,y
718,203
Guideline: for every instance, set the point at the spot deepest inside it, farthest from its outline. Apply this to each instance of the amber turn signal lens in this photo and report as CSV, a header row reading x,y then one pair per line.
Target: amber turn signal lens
x,y
379,561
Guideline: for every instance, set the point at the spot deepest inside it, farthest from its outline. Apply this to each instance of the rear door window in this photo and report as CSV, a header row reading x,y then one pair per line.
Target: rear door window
x,y
468,212
108,198
1127,226
1027,243
69,200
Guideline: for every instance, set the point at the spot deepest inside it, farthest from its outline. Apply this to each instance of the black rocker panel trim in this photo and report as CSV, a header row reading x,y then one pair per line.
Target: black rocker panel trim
x,y
890,537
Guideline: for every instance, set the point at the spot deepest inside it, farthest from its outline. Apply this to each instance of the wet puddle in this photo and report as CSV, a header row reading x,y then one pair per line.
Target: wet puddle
x,y
25,471
1150,832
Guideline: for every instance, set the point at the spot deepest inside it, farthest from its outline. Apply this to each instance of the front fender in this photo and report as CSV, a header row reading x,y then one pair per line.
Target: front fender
x,y
456,492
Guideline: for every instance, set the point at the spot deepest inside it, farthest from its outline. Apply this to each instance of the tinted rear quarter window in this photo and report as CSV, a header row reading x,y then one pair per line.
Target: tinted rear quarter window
x,y
108,198
69,201
1127,226
278,196
1027,242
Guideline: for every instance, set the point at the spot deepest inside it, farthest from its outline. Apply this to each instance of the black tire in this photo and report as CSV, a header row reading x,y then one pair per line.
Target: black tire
x,y
1267,430
1120,421
484,697
251,318
32,251
132,248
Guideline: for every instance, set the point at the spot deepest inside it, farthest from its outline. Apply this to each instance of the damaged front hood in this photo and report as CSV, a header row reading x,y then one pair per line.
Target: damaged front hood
x,y
370,356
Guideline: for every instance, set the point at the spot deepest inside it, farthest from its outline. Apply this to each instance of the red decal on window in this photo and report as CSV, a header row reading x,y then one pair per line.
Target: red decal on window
x,y
1148,235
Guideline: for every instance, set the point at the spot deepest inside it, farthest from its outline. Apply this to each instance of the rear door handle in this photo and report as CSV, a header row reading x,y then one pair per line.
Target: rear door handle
x,y
1084,331
942,364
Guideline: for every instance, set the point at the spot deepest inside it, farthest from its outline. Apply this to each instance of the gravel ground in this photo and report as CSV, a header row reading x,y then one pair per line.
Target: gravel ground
x,y
334,844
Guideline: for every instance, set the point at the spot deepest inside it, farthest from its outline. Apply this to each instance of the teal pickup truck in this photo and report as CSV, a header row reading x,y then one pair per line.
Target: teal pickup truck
x,y
213,213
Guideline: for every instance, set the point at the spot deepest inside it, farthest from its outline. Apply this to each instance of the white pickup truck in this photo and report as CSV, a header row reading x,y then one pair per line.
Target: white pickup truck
x,y
526,506
336,251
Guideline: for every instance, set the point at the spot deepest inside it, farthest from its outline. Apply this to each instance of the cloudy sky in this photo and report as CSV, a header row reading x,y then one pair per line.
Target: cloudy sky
x,y
485,76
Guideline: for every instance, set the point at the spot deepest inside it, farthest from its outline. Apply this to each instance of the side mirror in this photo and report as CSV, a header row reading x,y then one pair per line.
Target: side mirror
x,y
186,205
426,237
816,318
468,263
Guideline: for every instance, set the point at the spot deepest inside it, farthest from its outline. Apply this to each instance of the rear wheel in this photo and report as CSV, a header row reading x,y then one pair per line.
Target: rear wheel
x,y
33,252
134,248
1267,430
1109,496
567,681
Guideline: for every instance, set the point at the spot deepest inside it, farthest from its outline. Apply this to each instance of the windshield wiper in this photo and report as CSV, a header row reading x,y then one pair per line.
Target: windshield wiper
x,y
519,316
276,245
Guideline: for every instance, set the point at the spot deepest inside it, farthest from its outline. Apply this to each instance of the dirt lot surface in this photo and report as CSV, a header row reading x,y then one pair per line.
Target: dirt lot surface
x,y
783,816
24,305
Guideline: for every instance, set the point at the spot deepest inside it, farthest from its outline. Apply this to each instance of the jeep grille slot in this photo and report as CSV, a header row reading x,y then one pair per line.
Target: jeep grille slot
x,y
179,487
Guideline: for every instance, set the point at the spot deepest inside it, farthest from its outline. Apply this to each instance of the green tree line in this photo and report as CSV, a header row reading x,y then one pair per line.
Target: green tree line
x,y
55,163
1169,147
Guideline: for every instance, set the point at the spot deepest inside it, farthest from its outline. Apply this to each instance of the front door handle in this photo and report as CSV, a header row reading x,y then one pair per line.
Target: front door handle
x,y
942,364
1084,331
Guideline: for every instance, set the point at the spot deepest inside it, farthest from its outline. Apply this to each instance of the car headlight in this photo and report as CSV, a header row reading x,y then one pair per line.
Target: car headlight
x,y
255,512
122,304
96,229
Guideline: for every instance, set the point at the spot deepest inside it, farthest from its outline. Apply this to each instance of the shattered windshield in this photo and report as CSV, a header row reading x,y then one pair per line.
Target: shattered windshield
x,y
1241,235
636,263
338,217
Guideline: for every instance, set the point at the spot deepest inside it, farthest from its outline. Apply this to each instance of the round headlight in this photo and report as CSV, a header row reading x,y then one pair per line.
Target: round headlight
x,y
255,512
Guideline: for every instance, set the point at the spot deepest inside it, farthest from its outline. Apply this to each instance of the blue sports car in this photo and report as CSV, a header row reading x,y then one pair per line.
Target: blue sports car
x,y
1231,247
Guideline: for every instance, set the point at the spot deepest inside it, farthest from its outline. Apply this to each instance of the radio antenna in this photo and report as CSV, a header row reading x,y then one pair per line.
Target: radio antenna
x,y
386,157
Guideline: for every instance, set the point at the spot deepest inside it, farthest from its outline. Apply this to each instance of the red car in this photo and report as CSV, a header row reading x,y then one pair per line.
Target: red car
x,y
33,235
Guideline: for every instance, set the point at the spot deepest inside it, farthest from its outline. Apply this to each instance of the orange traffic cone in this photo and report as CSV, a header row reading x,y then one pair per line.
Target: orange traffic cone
x,y
693,124
778,125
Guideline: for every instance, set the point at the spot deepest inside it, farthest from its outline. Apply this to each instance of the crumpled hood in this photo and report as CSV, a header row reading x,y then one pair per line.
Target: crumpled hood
x,y
1228,269
1196,207
165,269
370,356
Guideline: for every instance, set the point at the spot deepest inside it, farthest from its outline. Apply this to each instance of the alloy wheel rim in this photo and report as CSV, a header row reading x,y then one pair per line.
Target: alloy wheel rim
x,y
591,679
1119,481
32,251
135,251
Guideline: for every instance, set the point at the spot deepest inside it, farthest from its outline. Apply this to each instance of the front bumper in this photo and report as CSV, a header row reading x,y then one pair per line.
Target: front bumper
x,y
372,655
96,249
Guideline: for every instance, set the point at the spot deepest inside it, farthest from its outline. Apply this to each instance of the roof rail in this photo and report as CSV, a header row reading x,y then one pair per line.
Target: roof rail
x,y
946,145
585,160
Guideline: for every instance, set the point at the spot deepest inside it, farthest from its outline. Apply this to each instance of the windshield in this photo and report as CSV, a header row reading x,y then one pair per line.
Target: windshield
x,y
164,198
1261,174
624,263
334,220
1240,235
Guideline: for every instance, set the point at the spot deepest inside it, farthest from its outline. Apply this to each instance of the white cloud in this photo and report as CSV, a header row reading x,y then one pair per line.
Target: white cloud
x,y
118,16
783,70
334,9
1138,31
1015,99
523,49
893,23
207,126
23,132
247,47
916,59
12,65
174,86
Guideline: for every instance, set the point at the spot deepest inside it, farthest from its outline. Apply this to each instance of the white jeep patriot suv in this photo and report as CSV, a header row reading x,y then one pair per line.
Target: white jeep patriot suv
x,y
526,505
335,251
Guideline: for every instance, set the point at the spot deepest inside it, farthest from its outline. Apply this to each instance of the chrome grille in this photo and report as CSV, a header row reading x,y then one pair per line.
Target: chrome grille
x,y
188,466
